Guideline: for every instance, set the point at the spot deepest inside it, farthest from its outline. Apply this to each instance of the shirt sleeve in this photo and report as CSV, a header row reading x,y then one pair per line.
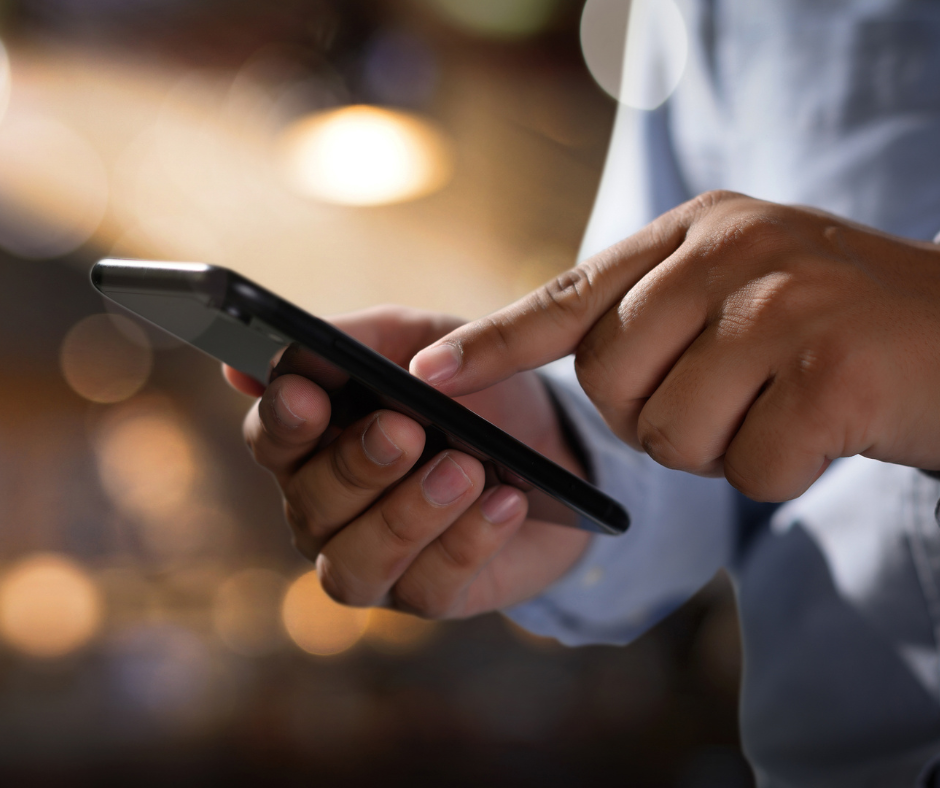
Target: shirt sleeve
x,y
681,533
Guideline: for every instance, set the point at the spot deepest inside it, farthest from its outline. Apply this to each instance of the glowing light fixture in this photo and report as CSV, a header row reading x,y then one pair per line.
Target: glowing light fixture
x,y
318,624
106,358
363,155
49,606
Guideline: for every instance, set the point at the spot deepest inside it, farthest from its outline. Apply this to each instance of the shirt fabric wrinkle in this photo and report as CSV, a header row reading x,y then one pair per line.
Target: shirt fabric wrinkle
x,y
834,105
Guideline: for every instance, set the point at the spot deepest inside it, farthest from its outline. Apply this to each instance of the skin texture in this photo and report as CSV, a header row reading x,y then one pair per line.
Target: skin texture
x,y
735,337
433,540
729,337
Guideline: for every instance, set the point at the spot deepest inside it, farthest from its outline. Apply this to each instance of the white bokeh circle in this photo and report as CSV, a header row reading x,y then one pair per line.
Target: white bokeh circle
x,y
637,52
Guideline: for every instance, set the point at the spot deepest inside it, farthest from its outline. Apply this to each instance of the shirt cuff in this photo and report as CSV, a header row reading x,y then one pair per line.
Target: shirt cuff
x,y
681,534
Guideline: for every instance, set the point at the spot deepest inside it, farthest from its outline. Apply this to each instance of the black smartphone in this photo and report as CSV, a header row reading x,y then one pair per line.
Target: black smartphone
x,y
238,322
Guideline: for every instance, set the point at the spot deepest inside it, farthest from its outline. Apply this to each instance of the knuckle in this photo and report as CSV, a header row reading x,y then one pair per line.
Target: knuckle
x,y
459,554
620,414
305,509
737,238
569,295
713,197
496,334
751,482
344,467
744,234
666,450
303,504
621,426
835,386
831,369
817,368
702,203
404,532
795,300
769,300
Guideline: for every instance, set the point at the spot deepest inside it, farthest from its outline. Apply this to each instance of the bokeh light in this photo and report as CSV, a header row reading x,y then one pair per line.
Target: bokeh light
x,y
49,606
318,624
106,358
498,18
53,187
604,40
363,155
636,51
245,612
191,670
147,462
397,633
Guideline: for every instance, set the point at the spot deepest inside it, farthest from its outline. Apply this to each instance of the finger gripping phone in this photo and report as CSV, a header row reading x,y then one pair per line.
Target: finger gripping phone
x,y
240,323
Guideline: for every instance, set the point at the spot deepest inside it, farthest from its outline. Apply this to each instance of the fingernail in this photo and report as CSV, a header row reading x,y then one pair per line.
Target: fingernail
x,y
501,504
283,412
445,483
437,364
378,446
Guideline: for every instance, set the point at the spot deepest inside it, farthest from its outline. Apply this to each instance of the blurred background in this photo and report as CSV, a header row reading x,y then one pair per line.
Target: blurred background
x,y
155,624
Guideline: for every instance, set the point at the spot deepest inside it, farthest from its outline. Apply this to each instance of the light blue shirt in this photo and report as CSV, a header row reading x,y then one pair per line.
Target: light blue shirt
x,y
834,104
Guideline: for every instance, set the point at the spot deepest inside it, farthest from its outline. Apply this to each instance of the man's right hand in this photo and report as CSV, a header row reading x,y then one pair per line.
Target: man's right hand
x,y
430,540
735,337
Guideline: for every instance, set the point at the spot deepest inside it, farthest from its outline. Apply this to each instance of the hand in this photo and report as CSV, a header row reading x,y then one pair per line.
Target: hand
x,y
737,337
432,540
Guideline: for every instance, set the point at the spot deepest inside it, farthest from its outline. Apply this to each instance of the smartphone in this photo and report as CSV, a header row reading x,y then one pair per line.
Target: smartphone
x,y
239,322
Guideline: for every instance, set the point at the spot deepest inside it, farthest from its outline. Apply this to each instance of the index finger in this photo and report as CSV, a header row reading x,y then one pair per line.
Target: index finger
x,y
551,321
